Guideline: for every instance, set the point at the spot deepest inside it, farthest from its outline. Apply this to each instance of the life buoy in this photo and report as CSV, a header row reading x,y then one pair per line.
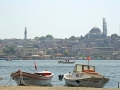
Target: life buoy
x,y
88,70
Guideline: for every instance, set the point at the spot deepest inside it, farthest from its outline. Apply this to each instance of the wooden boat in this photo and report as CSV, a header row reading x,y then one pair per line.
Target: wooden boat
x,y
42,78
85,76
66,61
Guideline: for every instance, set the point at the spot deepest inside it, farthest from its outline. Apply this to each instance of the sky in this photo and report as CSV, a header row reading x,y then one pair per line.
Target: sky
x,y
59,18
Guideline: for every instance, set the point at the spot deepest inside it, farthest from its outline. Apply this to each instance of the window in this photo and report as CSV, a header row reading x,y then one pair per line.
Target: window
x,y
77,75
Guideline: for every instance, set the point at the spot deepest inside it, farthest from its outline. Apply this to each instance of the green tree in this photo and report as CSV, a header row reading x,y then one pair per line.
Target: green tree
x,y
49,36
66,54
113,36
72,38
42,38
66,39
36,38
36,46
9,50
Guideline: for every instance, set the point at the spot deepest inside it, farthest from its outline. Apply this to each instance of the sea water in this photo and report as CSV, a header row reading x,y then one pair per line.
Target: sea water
x,y
108,68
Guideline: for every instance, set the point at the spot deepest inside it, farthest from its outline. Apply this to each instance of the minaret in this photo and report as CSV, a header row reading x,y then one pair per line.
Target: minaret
x,y
25,34
104,28
119,29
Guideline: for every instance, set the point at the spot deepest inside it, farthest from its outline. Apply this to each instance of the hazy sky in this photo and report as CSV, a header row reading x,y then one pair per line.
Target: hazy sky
x,y
60,18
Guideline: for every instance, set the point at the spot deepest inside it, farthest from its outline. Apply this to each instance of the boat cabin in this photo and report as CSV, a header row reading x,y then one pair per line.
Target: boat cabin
x,y
84,68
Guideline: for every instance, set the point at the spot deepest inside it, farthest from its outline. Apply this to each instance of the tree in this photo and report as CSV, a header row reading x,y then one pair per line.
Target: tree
x,y
36,38
113,36
35,46
72,38
9,50
66,39
42,38
81,37
66,54
6,51
49,36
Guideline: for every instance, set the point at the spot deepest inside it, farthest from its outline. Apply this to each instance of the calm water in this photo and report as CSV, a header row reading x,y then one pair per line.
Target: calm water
x,y
109,68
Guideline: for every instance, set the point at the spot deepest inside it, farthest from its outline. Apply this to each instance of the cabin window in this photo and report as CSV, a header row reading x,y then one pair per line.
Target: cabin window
x,y
77,75
96,81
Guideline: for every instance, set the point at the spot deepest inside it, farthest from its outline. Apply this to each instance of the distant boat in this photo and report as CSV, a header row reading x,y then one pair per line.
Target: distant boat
x,y
8,59
99,58
66,61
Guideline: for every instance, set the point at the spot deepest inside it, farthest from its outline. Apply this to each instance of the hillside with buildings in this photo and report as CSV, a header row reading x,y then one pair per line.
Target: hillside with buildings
x,y
95,43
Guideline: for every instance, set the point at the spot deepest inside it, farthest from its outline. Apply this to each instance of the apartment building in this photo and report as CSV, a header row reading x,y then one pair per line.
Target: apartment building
x,y
104,52
26,51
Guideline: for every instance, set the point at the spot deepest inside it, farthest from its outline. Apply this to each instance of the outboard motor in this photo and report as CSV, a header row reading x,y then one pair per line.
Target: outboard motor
x,y
60,77
77,81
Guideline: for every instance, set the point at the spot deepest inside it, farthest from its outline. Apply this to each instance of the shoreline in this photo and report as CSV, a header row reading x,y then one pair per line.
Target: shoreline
x,y
51,88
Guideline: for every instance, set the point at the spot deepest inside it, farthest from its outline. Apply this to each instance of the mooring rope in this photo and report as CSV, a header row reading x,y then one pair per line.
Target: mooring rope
x,y
21,78
9,81
87,82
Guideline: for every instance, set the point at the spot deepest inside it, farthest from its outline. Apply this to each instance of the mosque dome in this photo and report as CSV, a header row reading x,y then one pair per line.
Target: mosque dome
x,y
95,30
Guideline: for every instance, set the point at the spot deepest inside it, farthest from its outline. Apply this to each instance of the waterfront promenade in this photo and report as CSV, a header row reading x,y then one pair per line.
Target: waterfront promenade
x,y
51,88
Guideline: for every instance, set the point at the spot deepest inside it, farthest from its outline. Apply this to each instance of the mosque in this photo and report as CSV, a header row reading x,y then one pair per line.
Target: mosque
x,y
95,32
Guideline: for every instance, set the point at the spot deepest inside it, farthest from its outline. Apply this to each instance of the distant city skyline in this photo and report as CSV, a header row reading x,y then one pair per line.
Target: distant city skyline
x,y
59,18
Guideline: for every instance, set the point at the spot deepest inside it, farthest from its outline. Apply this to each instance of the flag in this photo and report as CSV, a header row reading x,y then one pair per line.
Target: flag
x,y
35,65
88,58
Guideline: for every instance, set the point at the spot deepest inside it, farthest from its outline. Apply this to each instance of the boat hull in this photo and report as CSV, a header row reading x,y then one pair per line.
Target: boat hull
x,y
23,78
65,62
86,82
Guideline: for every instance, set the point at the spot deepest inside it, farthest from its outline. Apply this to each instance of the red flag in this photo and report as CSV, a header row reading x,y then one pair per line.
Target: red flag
x,y
88,58
35,65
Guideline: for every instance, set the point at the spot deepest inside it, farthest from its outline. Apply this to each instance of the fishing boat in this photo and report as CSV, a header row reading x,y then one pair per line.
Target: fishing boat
x,y
85,76
42,78
66,61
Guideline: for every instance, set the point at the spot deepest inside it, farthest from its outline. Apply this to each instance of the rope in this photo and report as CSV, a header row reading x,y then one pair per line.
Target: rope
x,y
86,82
9,81
21,78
